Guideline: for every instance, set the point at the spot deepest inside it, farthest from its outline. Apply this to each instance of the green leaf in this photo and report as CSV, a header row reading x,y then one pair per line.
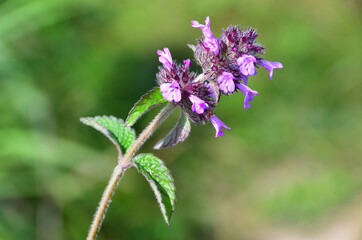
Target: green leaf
x,y
147,101
178,134
122,137
160,180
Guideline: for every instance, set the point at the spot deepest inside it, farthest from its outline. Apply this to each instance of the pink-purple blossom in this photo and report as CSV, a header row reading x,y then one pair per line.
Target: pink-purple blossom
x,y
198,105
248,92
218,125
165,57
171,91
204,28
270,66
246,64
226,82
210,41
212,44
227,62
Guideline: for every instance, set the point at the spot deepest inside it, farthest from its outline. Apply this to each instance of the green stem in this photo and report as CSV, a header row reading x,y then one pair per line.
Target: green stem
x,y
119,170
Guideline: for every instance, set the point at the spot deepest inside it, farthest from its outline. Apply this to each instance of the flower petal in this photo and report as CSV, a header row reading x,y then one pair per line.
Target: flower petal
x,y
246,64
226,82
171,91
195,24
165,57
248,92
218,125
270,66
198,105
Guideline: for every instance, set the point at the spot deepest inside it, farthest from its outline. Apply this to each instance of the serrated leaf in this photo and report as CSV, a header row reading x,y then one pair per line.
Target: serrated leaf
x,y
147,101
122,137
178,134
159,177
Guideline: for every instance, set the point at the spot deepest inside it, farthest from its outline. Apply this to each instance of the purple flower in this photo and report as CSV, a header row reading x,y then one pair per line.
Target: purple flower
x,y
198,105
187,63
212,44
165,57
270,66
204,28
171,91
226,82
210,41
246,64
248,92
218,125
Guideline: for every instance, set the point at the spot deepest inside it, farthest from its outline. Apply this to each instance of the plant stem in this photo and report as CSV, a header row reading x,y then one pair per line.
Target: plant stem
x,y
103,204
147,132
119,170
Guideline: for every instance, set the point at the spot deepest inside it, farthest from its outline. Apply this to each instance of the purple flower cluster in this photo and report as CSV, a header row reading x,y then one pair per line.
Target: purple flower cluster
x,y
227,62
182,87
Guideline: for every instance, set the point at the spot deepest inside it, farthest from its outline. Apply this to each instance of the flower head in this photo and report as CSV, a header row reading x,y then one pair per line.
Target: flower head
x,y
226,82
240,41
227,62
165,57
246,64
270,66
218,125
248,92
179,85
171,91
198,105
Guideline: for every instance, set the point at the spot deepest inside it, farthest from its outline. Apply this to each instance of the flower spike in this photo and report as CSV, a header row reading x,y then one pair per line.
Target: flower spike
x,y
226,64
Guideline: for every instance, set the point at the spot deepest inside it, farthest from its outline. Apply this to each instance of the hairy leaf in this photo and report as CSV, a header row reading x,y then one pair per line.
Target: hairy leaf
x,y
147,101
178,134
114,129
160,180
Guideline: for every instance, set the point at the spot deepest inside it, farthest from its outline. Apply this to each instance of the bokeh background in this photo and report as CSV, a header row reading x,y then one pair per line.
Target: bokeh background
x,y
289,168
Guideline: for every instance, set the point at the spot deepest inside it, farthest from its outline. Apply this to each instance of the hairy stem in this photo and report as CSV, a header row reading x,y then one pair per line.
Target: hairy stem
x,y
103,204
147,132
119,170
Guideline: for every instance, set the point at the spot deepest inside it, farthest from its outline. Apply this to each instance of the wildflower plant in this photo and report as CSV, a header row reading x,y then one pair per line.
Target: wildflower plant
x,y
226,62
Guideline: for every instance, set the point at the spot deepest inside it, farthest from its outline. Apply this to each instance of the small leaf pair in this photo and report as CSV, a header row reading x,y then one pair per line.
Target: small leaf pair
x,y
153,168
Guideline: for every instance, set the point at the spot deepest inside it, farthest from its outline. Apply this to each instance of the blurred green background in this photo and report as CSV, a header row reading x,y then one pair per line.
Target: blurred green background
x,y
289,168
